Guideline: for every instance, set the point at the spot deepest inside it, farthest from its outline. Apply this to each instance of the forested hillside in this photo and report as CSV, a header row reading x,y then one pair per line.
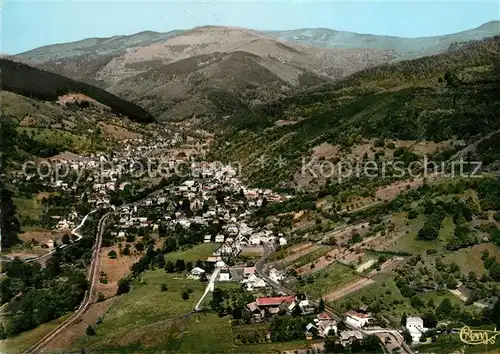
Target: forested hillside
x,y
27,81
403,102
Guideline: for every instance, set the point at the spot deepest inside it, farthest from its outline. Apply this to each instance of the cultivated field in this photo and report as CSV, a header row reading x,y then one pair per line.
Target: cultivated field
x,y
192,254
145,304
326,280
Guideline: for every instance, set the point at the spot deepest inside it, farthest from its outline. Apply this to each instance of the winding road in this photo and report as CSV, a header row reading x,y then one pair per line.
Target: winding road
x,y
92,275
92,278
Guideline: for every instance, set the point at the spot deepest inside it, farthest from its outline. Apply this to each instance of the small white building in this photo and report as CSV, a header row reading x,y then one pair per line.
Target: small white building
x,y
282,241
196,273
220,264
276,275
357,319
50,243
224,275
415,325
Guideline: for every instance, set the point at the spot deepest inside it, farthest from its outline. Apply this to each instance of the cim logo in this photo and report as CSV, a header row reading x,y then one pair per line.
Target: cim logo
x,y
475,337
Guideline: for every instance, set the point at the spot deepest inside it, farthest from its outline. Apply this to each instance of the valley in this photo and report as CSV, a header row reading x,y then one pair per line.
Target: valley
x,y
228,190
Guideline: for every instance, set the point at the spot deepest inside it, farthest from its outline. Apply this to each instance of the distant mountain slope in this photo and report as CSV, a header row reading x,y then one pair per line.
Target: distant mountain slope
x,y
139,73
451,96
94,46
196,72
213,85
31,82
406,48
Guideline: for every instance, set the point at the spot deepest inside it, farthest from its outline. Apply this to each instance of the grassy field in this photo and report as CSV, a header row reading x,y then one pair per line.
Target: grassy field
x,y
326,280
383,292
201,251
20,343
258,331
409,241
198,333
386,297
27,208
469,259
307,258
447,230
62,139
145,304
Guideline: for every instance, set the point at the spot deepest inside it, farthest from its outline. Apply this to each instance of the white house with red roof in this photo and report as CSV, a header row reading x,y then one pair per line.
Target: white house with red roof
x,y
273,301
357,319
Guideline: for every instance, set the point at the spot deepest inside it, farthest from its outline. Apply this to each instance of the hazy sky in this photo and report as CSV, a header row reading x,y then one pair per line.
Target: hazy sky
x,y
30,24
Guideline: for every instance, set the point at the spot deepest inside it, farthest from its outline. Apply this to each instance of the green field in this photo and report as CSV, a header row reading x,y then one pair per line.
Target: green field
x,y
200,251
382,293
326,280
409,241
64,140
20,343
451,343
256,332
307,258
143,305
469,259
385,297
197,333
27,208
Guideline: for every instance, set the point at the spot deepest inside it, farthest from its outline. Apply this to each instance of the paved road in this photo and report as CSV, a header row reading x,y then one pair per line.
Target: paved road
x,y
92,277
335,315
209,288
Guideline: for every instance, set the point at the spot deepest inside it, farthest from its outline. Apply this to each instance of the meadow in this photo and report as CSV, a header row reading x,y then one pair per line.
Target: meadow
x,y
326,280
192,254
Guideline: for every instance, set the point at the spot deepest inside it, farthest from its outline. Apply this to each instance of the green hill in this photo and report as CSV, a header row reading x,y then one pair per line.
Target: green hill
x,y
28,81
452,96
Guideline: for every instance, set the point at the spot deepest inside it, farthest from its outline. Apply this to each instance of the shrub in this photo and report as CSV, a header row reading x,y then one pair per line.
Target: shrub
x,y
123,286
139,246
379,142
90,331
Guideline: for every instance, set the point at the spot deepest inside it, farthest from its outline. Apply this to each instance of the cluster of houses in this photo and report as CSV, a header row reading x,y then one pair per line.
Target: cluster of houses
x,y
263,307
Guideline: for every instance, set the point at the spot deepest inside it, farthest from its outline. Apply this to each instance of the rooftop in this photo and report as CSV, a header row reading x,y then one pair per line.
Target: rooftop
x,y
270,301
357,314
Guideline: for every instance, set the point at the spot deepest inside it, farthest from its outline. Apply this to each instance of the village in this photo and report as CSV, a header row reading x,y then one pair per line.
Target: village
x,y
186,194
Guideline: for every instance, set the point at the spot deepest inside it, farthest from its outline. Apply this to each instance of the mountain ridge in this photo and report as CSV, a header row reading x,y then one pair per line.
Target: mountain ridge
x,y
120,64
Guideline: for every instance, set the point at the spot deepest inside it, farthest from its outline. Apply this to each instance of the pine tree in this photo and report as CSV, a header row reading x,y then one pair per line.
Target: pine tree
x,y
321,306
403,319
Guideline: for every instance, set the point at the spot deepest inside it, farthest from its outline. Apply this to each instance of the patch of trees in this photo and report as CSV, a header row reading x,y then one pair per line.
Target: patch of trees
x,y
300,202
430,230
9,224
47,293
288,328
370,344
